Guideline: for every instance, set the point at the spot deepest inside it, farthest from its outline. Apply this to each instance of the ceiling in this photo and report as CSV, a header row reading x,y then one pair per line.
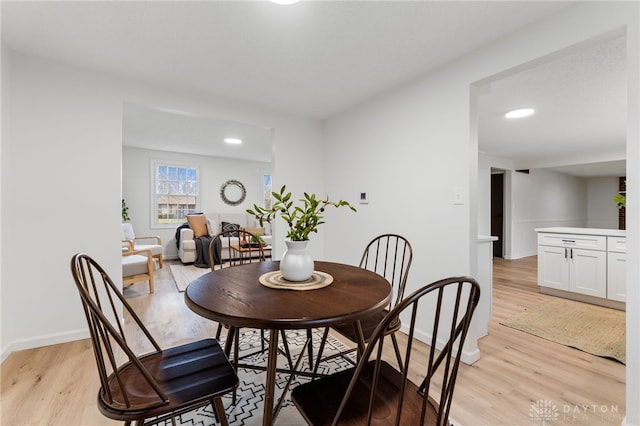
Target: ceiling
x,y
580,98
177,131
319,58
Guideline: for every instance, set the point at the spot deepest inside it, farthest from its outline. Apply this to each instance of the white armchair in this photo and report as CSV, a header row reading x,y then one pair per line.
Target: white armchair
x,y
137,265
142,243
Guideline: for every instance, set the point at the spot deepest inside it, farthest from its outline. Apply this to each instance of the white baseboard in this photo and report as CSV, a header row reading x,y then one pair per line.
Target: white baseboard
x,y
467,356
519,256
37,342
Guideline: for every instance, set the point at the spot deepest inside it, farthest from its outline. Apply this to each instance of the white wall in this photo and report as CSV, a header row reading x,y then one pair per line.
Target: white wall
x,y
4,129
410,149
602,212
412,146
484,197
541,199
214,171
61,177
633,219
61,173
544,198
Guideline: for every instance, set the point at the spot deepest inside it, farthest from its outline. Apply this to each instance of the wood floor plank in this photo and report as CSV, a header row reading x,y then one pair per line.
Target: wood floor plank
x,y
57,385
516,370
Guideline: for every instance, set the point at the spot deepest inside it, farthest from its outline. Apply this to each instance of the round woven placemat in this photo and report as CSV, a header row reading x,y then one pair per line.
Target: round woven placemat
x,y
274,279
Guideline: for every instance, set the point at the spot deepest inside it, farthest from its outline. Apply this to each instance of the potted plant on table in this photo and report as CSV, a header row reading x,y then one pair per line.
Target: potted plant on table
x,y
254,241
302,219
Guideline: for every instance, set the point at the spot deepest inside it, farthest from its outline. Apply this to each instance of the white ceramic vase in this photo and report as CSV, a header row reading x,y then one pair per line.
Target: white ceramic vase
x,y
296,264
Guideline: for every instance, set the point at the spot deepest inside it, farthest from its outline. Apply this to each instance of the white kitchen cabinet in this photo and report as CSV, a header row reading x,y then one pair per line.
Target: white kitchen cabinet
x,y
553,270
583,264
588,272
616,269
563,266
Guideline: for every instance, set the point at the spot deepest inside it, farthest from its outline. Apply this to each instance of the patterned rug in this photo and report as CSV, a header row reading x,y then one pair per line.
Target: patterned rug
x,y
247,409
594,329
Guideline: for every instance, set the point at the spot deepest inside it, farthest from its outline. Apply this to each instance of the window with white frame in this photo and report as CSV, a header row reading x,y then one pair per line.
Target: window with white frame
x,y
266,190
175,192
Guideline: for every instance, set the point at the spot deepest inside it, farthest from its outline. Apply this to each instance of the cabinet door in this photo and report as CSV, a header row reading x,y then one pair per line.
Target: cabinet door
x,y
553,267
588,272
617,276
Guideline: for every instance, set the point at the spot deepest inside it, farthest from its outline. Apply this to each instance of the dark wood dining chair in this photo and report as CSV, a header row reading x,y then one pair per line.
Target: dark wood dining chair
x,y
375,390
159,384
389,255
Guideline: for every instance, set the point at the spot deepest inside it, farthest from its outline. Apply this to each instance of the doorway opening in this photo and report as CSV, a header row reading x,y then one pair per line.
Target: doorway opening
x,y
497,211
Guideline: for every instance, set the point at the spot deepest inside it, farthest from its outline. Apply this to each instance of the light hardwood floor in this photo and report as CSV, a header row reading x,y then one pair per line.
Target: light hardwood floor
x,y
57,384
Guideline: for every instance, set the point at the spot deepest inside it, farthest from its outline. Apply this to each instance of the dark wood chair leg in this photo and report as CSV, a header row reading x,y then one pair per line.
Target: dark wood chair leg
x,y
310,347
397,350
220,413
321,349
219,331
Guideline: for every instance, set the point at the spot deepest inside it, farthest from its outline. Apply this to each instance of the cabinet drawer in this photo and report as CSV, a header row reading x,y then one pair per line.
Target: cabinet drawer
x,y
592,242
617,244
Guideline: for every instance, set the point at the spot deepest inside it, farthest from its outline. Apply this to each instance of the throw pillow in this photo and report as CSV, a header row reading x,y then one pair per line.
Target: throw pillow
x,y
226,226
199,225
213,227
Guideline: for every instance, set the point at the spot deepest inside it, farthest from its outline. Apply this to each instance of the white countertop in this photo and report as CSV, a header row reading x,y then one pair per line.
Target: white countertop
x,y
486,238
584,231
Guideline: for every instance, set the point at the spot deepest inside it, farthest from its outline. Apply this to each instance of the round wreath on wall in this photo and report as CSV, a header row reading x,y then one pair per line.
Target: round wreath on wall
x,y
233,192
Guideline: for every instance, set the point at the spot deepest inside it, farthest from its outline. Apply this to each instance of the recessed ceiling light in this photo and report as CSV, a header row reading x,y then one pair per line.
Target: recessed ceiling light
x,y
284,2
233,141
519,113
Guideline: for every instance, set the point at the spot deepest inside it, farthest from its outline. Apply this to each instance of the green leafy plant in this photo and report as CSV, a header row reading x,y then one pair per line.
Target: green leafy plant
x,y
256,239
125,212
620,199
302,219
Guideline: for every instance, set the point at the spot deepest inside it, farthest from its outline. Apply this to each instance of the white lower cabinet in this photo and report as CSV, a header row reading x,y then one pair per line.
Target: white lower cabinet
x,y
616,269
570,269
553,267
588,272
581,264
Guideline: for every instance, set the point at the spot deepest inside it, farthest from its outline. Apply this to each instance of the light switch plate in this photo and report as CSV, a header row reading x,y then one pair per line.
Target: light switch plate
x,y
458,196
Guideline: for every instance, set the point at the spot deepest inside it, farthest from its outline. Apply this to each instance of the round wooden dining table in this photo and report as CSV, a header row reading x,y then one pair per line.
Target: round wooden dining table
x,y
235,297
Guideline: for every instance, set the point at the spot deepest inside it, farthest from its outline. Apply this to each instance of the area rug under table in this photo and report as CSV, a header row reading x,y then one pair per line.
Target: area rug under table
x,y
594,329
247,409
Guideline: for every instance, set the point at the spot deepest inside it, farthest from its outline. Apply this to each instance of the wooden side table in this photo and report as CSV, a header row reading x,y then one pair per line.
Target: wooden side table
x,y
244,250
